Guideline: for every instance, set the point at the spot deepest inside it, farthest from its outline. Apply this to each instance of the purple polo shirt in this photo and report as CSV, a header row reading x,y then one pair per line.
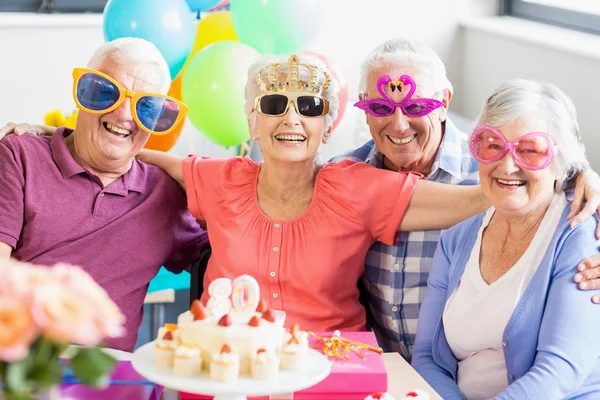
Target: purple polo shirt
x,y
53,210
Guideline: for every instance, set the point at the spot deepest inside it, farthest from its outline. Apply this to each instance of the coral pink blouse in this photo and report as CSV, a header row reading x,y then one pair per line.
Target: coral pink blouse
x,y
308,266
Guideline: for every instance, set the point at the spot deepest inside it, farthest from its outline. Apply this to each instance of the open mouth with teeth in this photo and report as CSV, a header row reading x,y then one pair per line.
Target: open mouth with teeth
x,y
115,130
290,138
402,140
511,183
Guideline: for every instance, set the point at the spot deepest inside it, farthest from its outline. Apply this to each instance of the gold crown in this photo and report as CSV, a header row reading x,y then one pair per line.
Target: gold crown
x,y
292,82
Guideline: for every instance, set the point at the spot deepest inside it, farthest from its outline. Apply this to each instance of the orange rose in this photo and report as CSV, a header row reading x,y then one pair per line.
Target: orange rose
x,y
64,316
21,280
107,315
17,329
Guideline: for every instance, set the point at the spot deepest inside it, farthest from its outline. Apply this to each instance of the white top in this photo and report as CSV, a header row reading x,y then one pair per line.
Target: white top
x,y
476,314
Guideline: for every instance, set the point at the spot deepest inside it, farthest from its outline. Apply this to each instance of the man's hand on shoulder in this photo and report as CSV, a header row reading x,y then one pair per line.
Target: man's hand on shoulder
x,y
20,129
588,277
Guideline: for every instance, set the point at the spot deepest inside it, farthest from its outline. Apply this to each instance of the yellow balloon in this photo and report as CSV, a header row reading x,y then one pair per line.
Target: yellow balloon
x,y
71,120
56,118
215,27
52,118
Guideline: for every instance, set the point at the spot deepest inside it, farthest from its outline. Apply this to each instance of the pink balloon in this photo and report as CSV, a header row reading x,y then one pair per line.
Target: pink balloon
x,y
223,3
339,78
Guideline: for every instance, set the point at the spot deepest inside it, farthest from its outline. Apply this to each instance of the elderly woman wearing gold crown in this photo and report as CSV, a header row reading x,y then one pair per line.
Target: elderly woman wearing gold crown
x,y
302,229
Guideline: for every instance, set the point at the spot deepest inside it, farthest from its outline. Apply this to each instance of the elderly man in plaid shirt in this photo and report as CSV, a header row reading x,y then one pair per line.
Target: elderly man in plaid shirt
x,y
395,277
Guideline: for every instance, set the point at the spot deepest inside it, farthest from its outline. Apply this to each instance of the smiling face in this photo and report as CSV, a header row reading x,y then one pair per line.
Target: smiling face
x,y
512,189
408,143
289,137
110,142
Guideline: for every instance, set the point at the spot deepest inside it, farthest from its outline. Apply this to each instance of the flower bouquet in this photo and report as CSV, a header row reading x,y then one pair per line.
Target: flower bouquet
x,y
43,310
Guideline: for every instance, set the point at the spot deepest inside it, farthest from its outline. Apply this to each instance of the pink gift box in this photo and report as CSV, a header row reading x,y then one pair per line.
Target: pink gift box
x,y
348,380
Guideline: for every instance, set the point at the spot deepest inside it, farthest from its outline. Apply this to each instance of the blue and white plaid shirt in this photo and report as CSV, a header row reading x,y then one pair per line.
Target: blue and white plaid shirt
x,y
396,276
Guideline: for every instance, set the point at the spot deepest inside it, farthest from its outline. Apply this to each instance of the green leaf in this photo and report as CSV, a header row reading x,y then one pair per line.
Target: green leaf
x,y
92,366
46,375
16,375
19,396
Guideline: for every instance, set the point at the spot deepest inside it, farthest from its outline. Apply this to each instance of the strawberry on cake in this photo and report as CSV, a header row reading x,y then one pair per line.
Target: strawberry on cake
x,y
225,365
295,349
235,333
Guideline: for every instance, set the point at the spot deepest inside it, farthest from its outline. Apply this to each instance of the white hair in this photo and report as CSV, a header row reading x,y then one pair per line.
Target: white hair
x,y
519,98
399,52
128,51
253,91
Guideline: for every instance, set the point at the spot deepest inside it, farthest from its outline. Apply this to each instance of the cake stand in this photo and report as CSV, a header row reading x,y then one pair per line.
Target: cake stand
x,y
317,369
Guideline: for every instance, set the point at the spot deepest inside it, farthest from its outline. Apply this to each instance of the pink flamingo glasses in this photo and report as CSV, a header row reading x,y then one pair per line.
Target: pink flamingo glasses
x,y
533,151
387,106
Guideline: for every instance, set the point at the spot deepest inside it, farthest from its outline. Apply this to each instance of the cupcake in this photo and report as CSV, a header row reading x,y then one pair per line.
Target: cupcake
x,y
164,347
295,349
264,365
415,395
225,366
187,361
379,396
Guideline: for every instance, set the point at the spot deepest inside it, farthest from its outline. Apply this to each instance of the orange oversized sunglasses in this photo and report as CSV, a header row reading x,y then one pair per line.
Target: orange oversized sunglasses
x,y
98,93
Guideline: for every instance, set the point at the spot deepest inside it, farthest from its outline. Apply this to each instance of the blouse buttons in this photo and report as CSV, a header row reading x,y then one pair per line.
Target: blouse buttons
x,y
277,226
504,343
272,273
276,249
275,295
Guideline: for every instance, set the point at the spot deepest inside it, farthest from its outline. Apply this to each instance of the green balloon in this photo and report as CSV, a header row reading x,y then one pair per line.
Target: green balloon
x,y
213,88
277,26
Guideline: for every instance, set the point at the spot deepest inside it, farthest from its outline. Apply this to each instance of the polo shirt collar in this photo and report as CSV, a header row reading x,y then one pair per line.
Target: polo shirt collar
x,y
134,180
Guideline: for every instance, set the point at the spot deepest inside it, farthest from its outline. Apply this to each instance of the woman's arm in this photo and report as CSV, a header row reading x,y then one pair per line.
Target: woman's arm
x,y
5,251
171,164
429,316
440,206
568,346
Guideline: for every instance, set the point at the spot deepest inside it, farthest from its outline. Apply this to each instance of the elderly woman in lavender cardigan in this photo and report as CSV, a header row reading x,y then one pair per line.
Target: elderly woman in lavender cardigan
x,y
502,317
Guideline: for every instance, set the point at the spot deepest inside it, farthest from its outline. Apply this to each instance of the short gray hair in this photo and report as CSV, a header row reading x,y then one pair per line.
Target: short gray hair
x,y
133,51
520,97
252,89
400,52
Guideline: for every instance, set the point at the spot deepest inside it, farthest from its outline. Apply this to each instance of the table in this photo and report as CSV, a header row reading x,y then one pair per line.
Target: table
x,y
402,378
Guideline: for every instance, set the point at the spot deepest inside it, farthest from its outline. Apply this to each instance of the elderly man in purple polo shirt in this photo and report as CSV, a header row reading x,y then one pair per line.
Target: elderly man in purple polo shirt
x,y
81,197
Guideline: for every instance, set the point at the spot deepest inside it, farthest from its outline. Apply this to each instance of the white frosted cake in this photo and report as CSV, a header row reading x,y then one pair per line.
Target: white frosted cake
x,y
234,329
238,328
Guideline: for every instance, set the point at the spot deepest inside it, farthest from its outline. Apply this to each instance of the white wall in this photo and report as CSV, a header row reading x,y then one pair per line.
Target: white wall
x,y
39,52
497,49
351,35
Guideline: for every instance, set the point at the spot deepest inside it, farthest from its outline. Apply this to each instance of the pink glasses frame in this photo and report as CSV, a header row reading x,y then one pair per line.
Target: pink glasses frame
x,y
385,80
511,146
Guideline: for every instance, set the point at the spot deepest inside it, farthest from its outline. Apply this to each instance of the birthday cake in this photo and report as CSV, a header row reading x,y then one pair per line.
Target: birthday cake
x,y
234,334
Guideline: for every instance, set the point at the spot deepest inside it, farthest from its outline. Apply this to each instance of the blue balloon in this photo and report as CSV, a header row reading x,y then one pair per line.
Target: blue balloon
x,y
167,24
202,5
